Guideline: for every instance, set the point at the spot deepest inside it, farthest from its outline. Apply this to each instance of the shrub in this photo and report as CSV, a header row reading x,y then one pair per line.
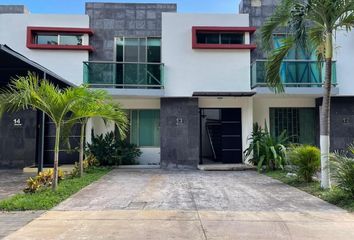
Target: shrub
x,y
42,180
343,173
307,160
110,150
267,150
89,162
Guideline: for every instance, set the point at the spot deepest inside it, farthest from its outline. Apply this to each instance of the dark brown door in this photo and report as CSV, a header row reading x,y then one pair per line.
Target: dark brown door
x,y
231,135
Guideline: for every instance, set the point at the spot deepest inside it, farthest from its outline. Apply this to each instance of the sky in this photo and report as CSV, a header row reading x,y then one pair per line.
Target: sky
x,y
78,6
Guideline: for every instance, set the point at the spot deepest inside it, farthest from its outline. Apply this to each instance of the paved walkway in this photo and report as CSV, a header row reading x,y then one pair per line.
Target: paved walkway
x,y
12,182
155,204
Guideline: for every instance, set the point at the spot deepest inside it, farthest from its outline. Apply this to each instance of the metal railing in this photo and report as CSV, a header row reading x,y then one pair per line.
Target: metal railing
x,y
293,73
127,75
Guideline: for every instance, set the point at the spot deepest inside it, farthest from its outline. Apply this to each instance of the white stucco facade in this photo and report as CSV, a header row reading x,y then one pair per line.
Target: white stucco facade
x,y
345,64
66,63
189,70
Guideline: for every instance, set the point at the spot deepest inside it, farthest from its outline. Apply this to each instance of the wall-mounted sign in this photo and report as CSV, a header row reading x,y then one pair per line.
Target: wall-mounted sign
x,y
179,121
345,120
17,122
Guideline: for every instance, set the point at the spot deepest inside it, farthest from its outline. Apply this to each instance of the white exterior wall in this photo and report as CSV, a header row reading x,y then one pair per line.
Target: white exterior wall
x,y
345,62
65,63
189,70
261,105
246,105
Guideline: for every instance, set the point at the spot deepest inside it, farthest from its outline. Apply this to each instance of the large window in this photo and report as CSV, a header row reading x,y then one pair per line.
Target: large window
x,y
145,128
138,61
299,123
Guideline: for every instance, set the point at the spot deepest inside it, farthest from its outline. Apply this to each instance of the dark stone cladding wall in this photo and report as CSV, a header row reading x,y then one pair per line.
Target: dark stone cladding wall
x,y
179,140
257,16
13,9
18,143
342,122
110,20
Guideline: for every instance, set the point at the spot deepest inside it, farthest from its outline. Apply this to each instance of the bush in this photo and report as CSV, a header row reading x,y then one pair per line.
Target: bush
x,y
110,150
307,160
343,172
42,180
89,162
267,151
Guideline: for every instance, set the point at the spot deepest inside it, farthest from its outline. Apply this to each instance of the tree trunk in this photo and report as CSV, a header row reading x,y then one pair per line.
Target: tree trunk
x,y
325,117
56,159
82,137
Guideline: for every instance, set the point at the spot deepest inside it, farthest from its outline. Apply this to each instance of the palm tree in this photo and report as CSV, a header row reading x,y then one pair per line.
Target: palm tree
x,y
309,23
60,105
97,103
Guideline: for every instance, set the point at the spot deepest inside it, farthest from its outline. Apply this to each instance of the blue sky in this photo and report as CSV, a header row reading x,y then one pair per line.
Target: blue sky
x,y
78,6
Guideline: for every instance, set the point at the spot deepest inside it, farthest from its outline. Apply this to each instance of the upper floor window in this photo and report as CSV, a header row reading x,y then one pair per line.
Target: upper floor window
x,y
58,38
296,52
222,37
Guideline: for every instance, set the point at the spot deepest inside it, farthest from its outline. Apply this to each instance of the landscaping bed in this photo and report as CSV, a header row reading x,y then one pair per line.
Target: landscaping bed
x,y
334,196
46,198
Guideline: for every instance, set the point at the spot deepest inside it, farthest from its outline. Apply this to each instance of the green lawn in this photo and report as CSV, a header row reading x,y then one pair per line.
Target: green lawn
x,y
46,198
335,196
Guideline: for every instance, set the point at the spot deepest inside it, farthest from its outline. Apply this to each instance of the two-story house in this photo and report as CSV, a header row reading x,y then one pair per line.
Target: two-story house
x,y
184,80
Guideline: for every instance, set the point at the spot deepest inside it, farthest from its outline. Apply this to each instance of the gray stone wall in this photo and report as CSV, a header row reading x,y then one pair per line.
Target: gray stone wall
x,y
259,11
110,20
179,129
18,140
342,122
13,9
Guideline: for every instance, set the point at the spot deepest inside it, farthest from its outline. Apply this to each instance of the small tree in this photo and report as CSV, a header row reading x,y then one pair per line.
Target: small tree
x,y
309,23
60,105
97,104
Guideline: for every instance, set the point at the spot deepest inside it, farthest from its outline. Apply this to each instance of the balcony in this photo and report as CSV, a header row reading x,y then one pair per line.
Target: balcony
x,y
293,73
127,78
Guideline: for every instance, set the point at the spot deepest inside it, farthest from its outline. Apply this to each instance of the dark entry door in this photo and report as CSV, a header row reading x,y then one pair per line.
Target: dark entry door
x,y
231,135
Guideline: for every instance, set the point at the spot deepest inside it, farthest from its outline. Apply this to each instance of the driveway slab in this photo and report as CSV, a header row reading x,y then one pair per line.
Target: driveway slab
x,y
192,190
190,205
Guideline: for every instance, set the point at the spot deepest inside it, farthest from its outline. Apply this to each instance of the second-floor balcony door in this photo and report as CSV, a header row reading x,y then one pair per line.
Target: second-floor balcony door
x,y
138,56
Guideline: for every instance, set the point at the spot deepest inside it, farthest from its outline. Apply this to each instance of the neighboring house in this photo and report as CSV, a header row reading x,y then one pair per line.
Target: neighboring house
x,y
297,110
54,47
191,84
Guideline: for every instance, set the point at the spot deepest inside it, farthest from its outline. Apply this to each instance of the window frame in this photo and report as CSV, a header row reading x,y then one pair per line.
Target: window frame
x,y
207,29
58,31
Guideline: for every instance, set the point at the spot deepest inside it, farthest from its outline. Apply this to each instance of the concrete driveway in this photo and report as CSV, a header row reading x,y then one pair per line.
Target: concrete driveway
x,y
156,204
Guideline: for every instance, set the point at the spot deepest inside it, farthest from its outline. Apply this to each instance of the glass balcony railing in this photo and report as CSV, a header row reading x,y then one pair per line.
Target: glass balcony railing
x,y
293,73
127,75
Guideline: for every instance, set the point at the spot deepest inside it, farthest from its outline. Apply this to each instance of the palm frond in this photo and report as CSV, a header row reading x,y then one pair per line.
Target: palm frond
x,y
274,64
279,18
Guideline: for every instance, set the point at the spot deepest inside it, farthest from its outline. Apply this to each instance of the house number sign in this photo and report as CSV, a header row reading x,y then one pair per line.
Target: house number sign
x,y
17,122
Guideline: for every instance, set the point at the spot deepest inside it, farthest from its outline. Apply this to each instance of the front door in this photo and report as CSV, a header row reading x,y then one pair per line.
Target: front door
x,y
231,135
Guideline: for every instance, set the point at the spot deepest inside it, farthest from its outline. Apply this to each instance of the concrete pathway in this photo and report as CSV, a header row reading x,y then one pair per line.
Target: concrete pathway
x,y
12,182
155,204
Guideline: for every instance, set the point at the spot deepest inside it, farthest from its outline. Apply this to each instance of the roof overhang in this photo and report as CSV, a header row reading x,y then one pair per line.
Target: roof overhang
x,y
13,64
223,94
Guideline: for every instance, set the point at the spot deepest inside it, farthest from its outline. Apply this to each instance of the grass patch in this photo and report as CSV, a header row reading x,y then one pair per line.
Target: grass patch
x,y
46,198
334,196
